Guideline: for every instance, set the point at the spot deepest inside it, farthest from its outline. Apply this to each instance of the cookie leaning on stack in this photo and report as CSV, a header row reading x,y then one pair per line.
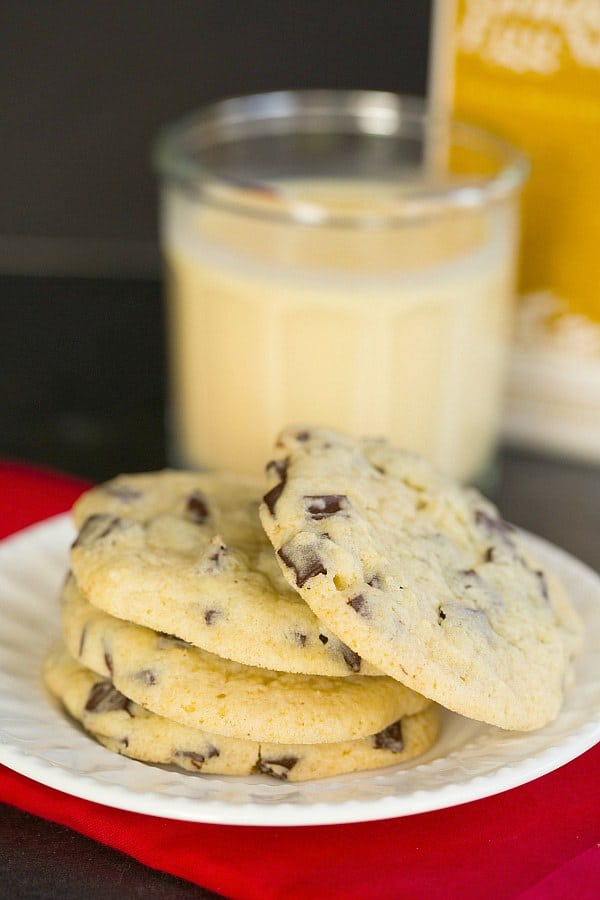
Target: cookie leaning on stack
x,y
420,576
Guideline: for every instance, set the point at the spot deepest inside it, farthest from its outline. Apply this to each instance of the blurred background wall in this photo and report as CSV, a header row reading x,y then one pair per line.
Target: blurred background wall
x,y
84,88
86,85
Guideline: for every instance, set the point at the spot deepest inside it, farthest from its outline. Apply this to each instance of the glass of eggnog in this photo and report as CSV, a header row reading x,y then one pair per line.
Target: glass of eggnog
x,y
336,258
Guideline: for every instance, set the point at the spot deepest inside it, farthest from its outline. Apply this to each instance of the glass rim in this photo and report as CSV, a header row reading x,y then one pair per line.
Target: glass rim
x,y
374,113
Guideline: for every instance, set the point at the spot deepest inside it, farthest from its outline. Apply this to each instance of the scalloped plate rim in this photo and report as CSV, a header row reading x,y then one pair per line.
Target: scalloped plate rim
x,y
268,806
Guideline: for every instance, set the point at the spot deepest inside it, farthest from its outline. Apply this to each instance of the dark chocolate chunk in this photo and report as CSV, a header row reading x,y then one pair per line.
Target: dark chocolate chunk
x,y
325,505
111,526
217,557
351,658
300,638
211,615
96,527
197,507
543,584
104,697
375,581
472,577
390,738
305,565
121,491
278,467
441,614
323,638
494,526
124,742
146,675
489,555
360,605
272,496
278,767
197,759
214,557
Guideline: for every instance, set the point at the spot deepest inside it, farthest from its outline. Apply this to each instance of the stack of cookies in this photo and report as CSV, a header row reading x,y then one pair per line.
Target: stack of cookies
x,y
312,633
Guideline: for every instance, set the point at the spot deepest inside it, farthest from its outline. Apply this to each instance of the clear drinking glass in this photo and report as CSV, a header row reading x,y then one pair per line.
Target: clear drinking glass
x,y
336,258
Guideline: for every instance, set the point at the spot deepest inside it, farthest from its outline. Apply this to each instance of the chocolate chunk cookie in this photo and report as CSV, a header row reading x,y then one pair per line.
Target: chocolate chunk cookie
x,y
129,729
420,576
185,553
198,689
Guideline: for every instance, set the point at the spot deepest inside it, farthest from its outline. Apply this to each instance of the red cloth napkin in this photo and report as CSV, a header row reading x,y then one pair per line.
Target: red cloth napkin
x,y
538,842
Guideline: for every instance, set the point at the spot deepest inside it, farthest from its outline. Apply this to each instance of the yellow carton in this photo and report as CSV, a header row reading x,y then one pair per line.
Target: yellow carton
x,y
529,70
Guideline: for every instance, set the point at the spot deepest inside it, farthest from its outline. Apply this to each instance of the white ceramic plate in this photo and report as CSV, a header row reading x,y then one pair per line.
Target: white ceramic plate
x,y
469,761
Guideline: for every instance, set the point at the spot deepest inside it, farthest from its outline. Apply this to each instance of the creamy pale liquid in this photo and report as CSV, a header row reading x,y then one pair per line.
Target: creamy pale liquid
x,y
397,332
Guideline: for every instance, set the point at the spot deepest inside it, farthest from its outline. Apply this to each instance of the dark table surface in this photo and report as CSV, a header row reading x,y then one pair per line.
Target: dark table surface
x,y
99,410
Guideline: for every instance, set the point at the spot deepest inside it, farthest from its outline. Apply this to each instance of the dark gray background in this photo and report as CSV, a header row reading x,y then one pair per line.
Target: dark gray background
x,y
84,86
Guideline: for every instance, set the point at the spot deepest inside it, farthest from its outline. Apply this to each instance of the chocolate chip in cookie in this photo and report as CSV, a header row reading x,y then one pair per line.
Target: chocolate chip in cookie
x,y
325,505
390,738
197,507
279,767
272,496
305,564
104,697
